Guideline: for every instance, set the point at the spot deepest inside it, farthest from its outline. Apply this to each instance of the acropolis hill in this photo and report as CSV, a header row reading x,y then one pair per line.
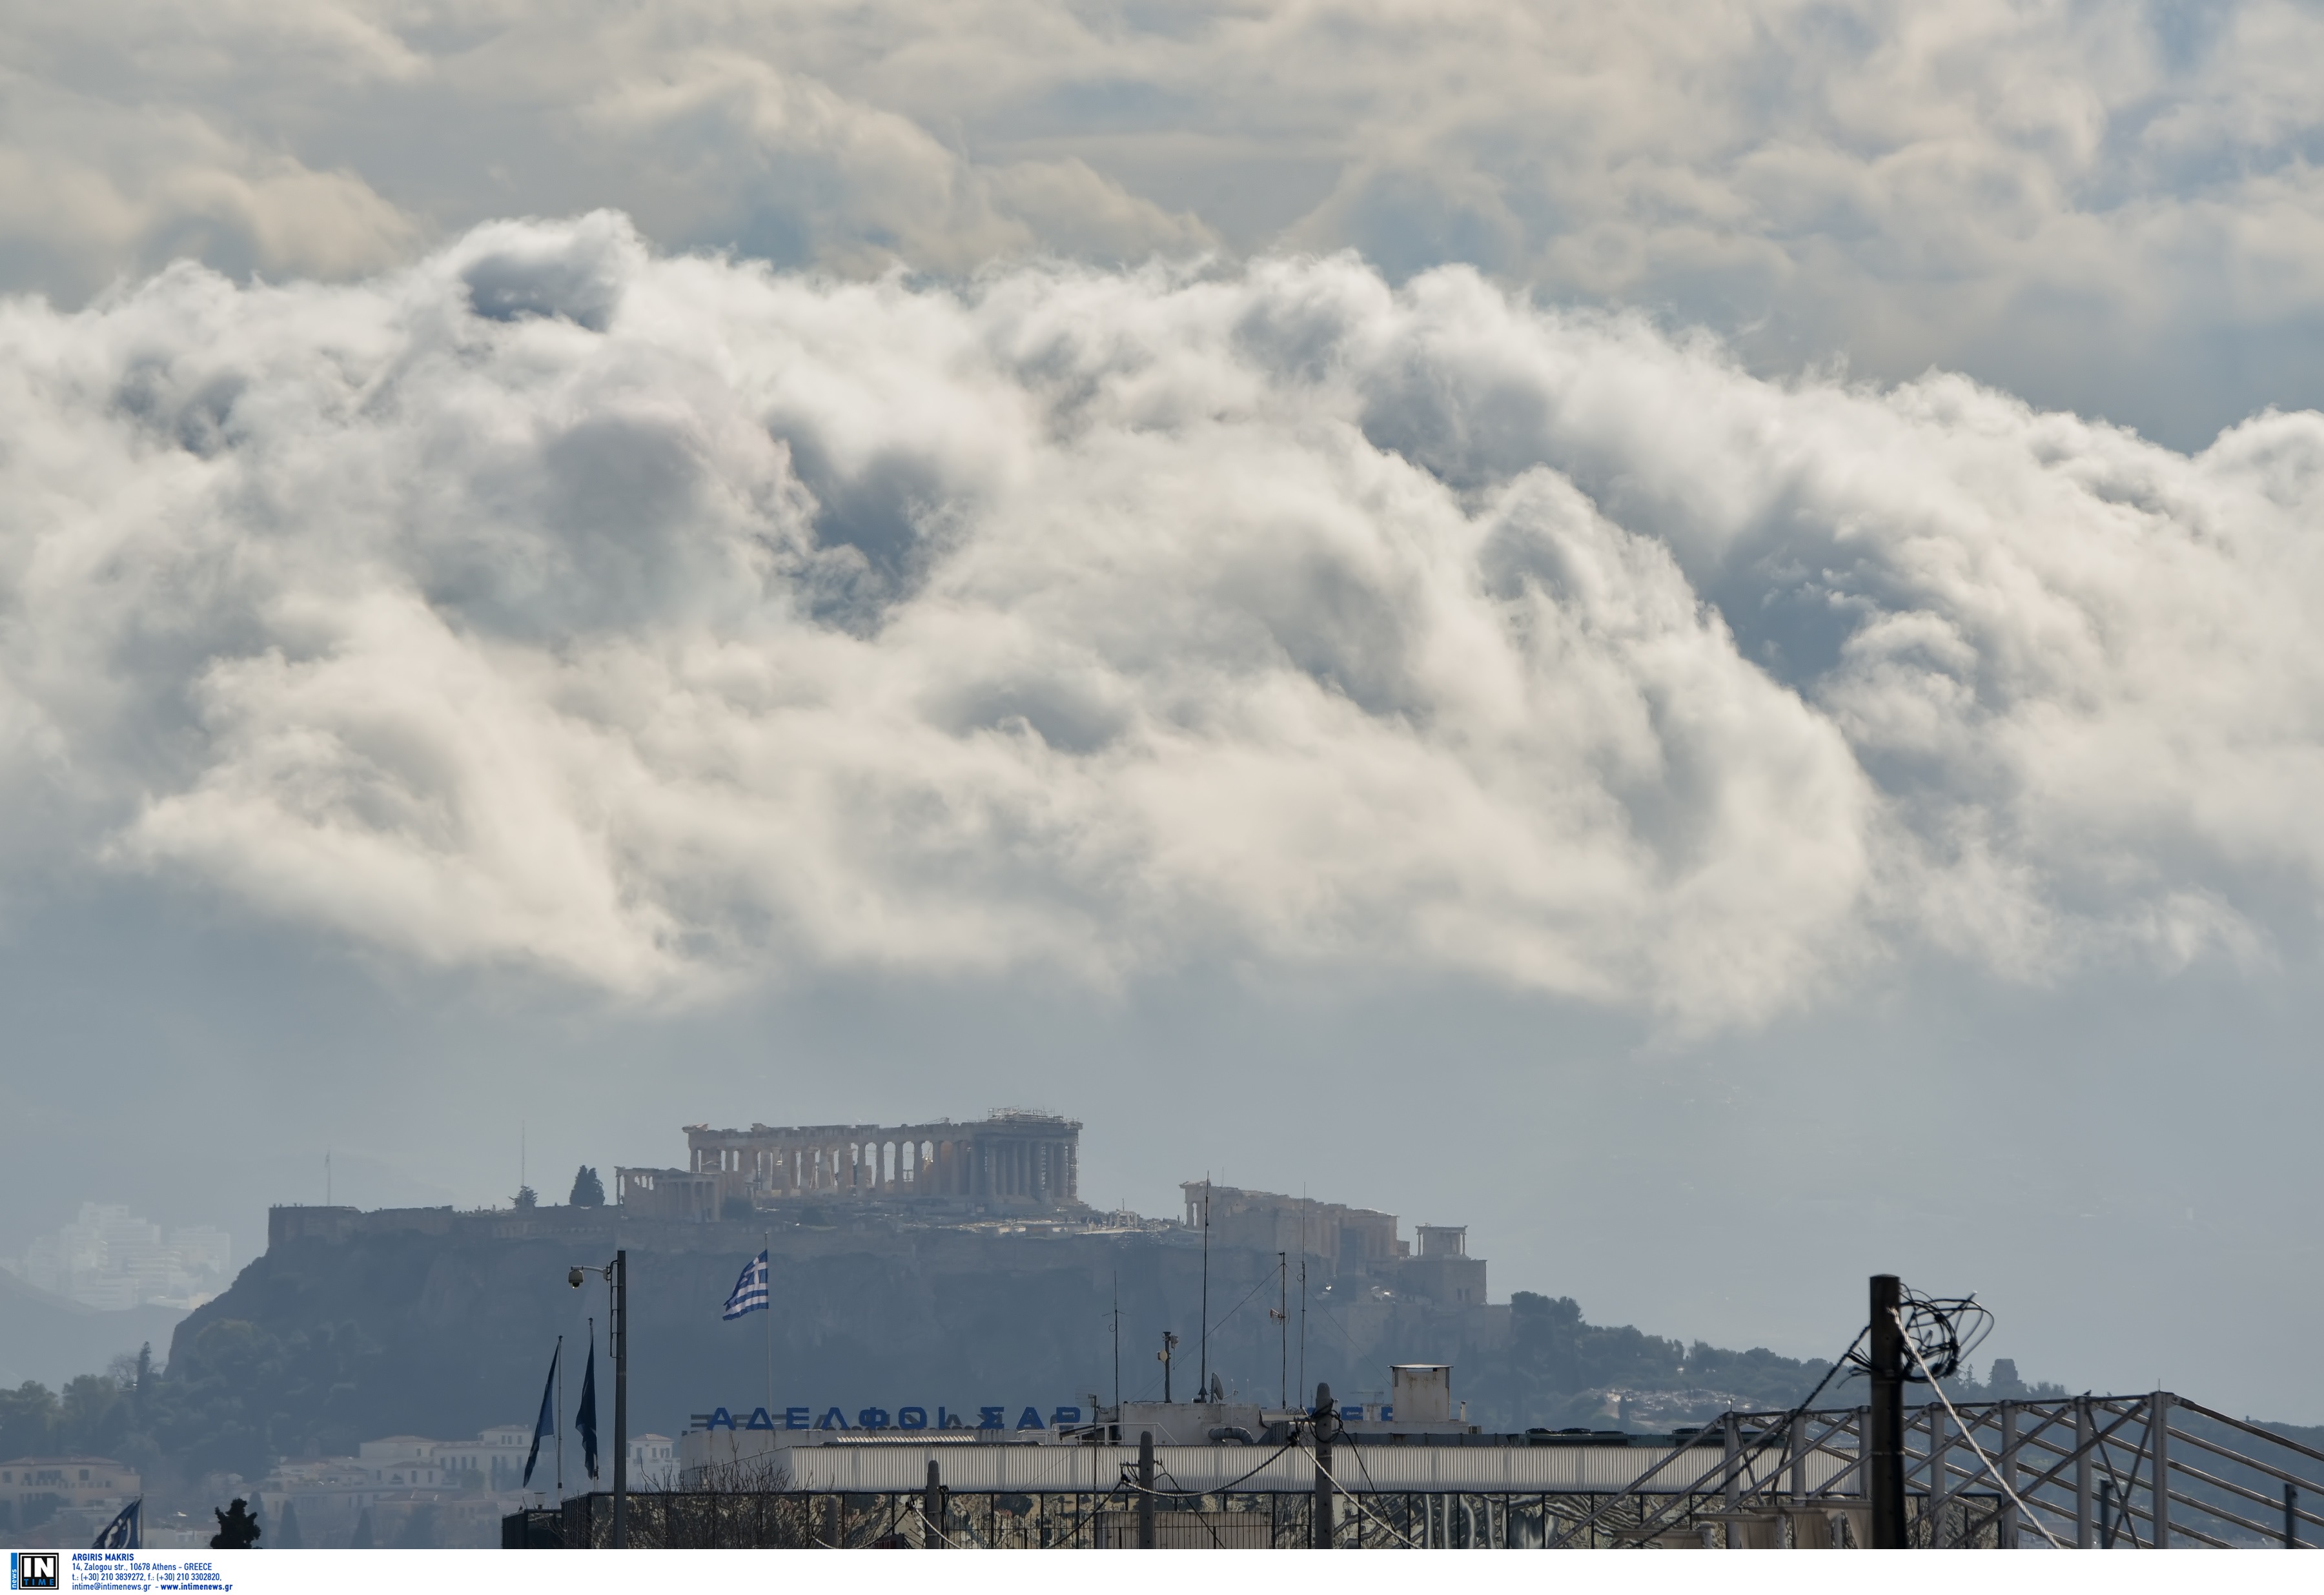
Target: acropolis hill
x,y
956,1261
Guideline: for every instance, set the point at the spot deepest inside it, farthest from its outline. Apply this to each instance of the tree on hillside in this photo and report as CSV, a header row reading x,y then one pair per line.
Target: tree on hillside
x,y
28,1420
525,1196
589,1190
94,1415
236,1396
1559,1369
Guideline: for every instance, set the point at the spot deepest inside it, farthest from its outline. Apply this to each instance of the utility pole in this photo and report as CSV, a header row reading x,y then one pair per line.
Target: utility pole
x,y
1146,1489
1117,1347
1327,1424
932,1511
1883,1437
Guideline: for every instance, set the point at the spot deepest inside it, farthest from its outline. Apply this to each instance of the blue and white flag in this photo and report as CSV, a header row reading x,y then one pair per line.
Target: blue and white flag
x,y
751,1290
544,1425
584,1422
126,1532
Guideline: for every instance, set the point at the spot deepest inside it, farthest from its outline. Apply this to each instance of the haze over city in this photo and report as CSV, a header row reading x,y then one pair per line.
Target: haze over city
x,y
1683,634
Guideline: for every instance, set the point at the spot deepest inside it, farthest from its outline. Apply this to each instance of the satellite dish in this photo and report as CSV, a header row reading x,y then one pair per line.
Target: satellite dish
x,y
1218,1391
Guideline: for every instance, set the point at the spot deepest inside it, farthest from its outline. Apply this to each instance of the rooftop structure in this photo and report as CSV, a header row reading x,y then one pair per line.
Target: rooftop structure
x,y
1356,1243
63,1499
465,1486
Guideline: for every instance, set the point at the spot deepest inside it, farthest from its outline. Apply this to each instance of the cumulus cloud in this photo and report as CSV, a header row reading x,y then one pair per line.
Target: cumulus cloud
x,y
2111,208
667,621
90,190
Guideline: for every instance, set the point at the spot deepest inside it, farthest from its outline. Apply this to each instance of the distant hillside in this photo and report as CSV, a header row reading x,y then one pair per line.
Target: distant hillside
x,y
49,1339
322,1342
1559,1370
355,1327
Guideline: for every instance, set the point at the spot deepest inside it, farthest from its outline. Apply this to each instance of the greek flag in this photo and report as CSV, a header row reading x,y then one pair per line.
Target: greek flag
x,y
751,1290
126,1532
546,1426
584,1422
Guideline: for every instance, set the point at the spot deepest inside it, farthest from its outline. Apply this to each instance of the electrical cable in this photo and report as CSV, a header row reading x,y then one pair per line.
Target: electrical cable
x,y
1743,1459
1357,1501
1223,1489
1933,1326
1222,1320
2094,1446
1180,1492
1931,1379
1097,1505
1359,1453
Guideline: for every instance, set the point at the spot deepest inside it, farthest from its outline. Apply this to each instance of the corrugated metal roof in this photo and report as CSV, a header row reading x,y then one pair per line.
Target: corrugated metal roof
x,y
1053,1470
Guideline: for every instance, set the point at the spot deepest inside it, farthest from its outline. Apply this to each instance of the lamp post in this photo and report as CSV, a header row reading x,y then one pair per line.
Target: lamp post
x,y
617,1336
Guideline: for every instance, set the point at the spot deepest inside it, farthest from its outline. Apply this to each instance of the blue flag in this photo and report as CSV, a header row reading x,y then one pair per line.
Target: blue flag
x,y
545,1424
584,1422
126,1532
751,1290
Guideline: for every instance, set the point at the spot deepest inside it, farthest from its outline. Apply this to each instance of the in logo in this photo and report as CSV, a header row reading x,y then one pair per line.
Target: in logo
x,y
33,1569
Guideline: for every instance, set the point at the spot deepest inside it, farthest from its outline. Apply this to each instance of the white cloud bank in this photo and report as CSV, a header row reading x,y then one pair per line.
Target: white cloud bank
x,y
2113,206
659,622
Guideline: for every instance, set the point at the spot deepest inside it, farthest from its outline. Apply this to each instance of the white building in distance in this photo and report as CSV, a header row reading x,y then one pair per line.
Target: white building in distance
x,y
109,1257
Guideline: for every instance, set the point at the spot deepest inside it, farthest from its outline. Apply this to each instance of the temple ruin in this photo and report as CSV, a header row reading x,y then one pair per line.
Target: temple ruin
x,y
1359,1243
1015,1160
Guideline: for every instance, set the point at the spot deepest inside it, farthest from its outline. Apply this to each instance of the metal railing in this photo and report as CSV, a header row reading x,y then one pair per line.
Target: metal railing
x,y
2095,1471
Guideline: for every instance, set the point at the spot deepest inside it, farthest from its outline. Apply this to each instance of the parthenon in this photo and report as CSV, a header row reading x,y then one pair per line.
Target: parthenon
x,y
1014,1159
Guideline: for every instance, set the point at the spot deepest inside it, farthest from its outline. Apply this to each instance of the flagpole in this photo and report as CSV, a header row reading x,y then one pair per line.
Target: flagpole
x,y
557,1420
770,1283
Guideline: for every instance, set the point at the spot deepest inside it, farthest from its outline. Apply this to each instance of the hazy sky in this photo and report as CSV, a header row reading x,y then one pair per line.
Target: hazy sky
x,y
1686,633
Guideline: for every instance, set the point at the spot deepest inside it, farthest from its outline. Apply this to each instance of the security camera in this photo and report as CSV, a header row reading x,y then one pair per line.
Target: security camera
x,y
573,1277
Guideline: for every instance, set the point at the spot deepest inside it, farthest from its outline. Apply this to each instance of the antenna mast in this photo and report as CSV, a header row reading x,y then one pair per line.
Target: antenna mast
x,y
1302,1290
1282,1329
1202,1380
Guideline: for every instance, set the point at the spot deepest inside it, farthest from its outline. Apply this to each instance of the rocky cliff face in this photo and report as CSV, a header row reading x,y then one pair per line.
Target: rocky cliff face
x,y
352,1327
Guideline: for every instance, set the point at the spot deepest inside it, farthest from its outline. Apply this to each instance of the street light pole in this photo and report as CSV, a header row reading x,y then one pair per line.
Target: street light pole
x,y
617,1338
620,1273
